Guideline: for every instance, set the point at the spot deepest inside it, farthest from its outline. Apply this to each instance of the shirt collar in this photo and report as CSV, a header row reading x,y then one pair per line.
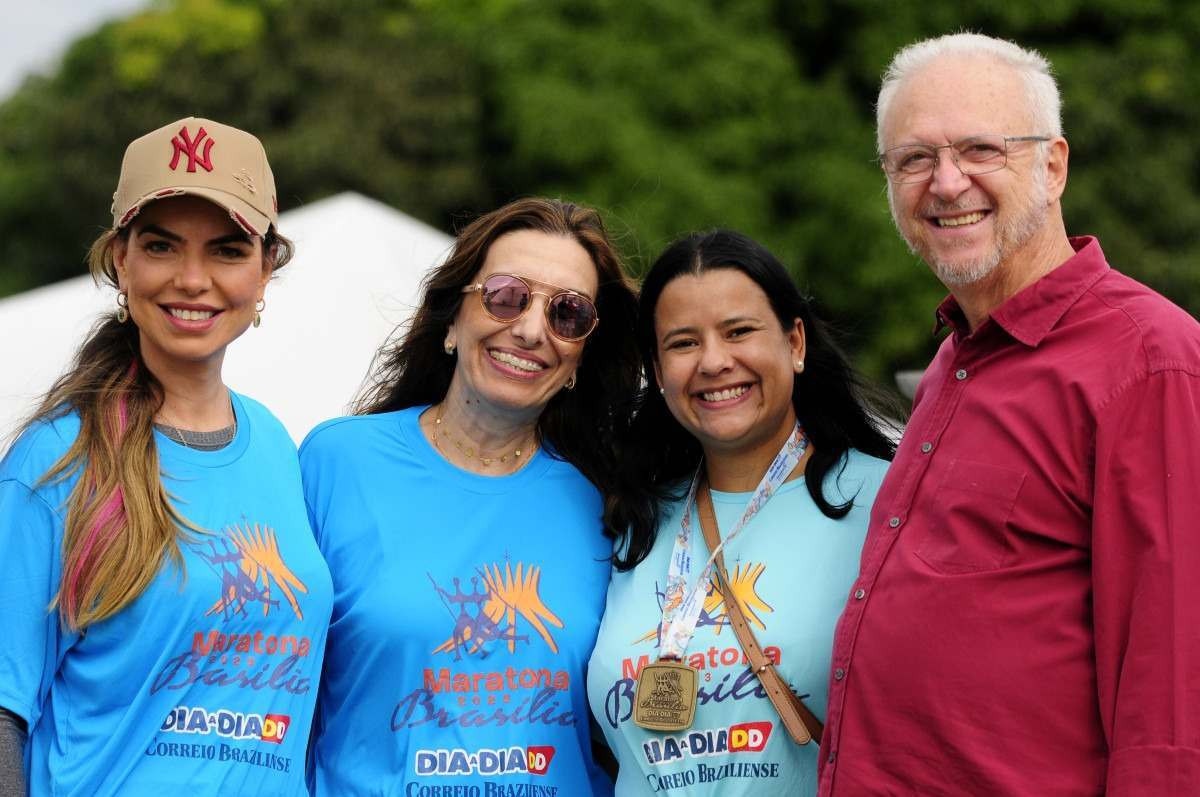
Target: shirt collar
x,y
1030,315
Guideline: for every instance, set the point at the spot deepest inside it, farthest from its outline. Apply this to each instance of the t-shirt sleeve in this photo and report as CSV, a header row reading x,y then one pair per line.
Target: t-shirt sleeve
x,y
1146,561
28,580
311,460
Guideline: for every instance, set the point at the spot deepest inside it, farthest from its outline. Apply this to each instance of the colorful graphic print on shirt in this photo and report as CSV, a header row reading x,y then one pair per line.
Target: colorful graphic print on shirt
x,y
724,668
734,720
714,612
505,604
248,647
490,614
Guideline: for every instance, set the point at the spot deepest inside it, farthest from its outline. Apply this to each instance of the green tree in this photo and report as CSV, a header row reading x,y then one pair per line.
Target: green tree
x,y
374,101
670,116
682,116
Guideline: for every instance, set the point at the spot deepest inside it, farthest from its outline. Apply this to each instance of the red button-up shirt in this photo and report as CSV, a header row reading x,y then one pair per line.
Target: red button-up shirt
x,y
1027,618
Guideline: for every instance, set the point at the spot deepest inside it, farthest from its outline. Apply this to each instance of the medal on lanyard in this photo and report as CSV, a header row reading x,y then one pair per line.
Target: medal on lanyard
x,y
664,698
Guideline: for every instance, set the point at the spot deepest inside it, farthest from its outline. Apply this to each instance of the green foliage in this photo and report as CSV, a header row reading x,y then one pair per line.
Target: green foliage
x,y
374,101
1135,152
670,116
144,45
680,116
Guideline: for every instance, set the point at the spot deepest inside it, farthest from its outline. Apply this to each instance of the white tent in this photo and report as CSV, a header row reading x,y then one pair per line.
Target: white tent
x,y
356,275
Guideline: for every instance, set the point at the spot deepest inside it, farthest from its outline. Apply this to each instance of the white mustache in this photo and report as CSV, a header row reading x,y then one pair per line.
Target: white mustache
x,y
941,206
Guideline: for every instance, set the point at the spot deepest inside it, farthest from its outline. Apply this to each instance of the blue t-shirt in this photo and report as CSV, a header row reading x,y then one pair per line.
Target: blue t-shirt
x,y
791,569
465,609
205,683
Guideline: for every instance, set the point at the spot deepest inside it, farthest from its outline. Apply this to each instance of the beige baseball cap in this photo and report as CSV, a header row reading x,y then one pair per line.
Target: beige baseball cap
x,y
202,158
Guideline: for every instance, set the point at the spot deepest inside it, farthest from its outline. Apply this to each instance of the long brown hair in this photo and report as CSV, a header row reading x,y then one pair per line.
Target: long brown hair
x,y
121,525
577,424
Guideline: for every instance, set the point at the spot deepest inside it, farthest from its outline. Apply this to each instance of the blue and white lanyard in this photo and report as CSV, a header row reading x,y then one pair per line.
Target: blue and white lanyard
x,y
681,607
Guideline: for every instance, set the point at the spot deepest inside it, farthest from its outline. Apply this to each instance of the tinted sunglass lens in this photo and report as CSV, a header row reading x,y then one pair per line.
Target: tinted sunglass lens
x,y
571,316
505,297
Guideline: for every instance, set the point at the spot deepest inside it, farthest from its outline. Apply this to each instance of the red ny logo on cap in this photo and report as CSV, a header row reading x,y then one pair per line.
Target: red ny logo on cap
x,y
184,144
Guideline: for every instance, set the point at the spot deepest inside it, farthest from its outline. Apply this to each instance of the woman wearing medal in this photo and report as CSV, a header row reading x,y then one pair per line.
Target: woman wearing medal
x,y
754,414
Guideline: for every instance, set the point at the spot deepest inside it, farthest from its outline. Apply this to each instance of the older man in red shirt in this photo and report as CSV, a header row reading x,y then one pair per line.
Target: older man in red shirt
x,y
1027,618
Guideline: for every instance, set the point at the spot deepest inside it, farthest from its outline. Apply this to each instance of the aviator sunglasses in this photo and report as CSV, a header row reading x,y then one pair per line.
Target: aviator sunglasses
x,y
571,316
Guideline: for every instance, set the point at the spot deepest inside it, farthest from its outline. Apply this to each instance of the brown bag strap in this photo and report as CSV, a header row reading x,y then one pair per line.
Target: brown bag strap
x,y
802,725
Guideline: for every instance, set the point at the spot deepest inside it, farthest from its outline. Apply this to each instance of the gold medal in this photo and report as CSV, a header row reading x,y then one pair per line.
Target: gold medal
x,y
665,696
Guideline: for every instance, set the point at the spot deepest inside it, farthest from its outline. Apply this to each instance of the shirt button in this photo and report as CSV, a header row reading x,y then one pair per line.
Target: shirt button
x,y
839,674
960,374
859,594
926,447
894,522
830,759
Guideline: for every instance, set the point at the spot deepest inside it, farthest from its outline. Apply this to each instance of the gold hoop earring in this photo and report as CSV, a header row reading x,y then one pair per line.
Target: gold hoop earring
x,y
122,307
259,306
449,347
570,383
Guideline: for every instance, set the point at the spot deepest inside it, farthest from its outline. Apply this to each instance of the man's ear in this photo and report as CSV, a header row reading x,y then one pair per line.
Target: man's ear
x,y
1056,168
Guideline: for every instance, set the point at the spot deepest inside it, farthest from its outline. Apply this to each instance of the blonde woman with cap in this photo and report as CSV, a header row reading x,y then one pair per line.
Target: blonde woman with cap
x,y
164,602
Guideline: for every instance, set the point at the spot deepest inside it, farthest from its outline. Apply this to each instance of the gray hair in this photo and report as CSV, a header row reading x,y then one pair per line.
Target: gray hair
x,y
1045,105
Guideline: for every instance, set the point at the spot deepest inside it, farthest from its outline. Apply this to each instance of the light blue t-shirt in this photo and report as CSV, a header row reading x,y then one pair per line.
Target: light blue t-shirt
x,y
791,568
205,684
465,609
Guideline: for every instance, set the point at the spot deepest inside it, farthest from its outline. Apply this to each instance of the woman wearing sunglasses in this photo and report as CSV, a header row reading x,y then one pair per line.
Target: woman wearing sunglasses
x,y
460,514
163,603
752,415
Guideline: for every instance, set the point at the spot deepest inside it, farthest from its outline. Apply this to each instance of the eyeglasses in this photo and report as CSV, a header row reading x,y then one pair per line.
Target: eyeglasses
x,y
505,297
914,163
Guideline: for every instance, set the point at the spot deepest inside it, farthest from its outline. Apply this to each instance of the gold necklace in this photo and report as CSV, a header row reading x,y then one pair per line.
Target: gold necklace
x,y
466,450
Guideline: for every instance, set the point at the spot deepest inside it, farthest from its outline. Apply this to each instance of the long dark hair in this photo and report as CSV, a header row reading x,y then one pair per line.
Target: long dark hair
x,y
832,402
577,425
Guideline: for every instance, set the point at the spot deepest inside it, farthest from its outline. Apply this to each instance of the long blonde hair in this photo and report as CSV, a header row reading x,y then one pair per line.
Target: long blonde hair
x,y
121,524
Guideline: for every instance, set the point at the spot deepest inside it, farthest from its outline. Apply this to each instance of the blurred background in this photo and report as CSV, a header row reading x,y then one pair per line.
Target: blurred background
x,y
669,115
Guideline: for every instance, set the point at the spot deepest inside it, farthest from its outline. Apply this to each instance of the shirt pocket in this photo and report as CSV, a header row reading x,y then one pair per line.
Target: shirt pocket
x,y
967,528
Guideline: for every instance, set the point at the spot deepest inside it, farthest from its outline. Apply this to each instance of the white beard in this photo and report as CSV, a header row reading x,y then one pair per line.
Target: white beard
x,y
1012,233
